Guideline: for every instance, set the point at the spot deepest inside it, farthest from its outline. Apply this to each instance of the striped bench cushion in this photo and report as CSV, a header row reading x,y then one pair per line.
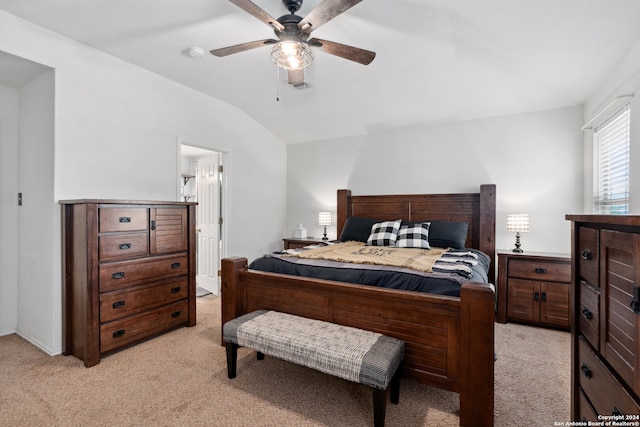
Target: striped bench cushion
x,y
353,354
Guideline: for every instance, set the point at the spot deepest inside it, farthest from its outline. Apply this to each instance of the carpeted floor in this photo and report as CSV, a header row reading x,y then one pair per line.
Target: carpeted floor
x,y
179,379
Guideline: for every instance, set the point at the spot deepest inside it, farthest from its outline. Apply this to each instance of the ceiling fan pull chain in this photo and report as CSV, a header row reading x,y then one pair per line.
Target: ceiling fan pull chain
x,y
277,84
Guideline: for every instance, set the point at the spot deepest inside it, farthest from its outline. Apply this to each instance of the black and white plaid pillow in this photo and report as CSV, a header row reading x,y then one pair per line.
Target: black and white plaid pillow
x,y
414,236
384,233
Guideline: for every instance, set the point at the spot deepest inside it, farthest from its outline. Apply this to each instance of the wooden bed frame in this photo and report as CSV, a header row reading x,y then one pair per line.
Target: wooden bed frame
x,y
449,340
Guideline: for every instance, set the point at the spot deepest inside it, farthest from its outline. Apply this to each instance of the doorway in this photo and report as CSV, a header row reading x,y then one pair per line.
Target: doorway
x,y
202,181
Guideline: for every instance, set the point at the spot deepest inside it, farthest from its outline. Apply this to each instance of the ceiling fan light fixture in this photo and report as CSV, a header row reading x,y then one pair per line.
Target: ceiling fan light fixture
x,y
291,55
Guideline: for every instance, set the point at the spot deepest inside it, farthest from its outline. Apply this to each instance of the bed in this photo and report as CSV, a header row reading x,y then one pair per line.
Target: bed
x,y
449,339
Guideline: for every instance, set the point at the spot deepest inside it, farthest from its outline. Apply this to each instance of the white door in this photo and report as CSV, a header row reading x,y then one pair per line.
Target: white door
x,y
208,220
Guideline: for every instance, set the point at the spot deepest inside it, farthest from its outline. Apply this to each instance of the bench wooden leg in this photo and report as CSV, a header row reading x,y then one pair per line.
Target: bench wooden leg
x,y
379,406
232,358
395,388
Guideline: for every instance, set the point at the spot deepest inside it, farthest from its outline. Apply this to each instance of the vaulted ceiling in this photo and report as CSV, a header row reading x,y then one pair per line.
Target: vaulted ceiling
x,y
437,60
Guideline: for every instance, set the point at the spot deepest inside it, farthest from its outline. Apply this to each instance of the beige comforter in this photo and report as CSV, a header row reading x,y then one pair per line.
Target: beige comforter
x,y
358,252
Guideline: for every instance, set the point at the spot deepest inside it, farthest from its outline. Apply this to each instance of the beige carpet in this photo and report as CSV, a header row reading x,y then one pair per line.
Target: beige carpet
x,y
179,379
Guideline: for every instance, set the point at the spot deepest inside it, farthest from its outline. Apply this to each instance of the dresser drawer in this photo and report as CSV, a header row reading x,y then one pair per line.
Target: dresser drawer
x,y
590,314
543,270
123,246
114,305
123,274
585,409
605,393
123,219
588,255
125,331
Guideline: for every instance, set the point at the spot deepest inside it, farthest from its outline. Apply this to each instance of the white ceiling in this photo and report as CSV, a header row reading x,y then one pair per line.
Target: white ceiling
x,y
437,60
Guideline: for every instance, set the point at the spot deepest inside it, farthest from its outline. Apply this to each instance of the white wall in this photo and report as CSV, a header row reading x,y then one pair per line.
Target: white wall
x,y
623,80
534,159
9,103
116,127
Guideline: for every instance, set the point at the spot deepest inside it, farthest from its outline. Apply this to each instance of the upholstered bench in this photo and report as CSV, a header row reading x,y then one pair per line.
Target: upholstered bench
x,y
353,354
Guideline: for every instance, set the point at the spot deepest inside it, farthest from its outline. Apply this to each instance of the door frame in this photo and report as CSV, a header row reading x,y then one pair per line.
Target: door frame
x,y
224,161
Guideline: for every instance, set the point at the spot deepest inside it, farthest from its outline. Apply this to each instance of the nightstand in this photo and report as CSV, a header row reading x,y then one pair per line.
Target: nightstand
x,y
297,242
533,287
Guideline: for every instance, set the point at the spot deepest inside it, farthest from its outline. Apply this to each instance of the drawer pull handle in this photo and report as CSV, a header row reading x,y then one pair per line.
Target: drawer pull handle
x,y
544,296
153,225
540,270
175,290
124,219
536,296
586,254
124,246
118,333
586,371
175,314
118,304
118,275
175,265
587,314
616,411
635,302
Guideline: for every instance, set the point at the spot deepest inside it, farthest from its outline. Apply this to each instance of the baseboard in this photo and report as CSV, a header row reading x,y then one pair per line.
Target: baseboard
x,y
44,348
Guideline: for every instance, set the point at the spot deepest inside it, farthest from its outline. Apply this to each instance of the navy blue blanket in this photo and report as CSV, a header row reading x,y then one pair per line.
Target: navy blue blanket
x,y
387,277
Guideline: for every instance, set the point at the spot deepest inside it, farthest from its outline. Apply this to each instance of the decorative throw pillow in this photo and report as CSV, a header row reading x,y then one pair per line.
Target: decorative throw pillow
x,y
357,229
384,233
413,236
448,234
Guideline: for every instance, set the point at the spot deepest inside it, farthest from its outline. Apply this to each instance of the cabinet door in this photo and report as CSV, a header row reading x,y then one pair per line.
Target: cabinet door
x,y
523,300
168,231
554,304
619,276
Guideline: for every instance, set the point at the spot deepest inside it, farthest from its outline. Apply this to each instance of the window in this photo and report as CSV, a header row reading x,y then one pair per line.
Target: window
x,y
611,164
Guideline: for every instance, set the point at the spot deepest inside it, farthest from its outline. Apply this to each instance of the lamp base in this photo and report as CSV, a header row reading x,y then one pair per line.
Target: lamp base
x,y
325,234
517,248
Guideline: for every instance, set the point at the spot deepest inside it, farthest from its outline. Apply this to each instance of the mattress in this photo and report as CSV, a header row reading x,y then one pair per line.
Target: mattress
x,y
376,275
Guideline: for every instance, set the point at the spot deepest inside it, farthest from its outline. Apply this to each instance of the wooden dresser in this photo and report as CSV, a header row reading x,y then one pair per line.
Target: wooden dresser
x,y
605,333
129,273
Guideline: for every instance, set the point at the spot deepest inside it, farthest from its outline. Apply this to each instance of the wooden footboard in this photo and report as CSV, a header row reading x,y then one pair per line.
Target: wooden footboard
x,y
449,340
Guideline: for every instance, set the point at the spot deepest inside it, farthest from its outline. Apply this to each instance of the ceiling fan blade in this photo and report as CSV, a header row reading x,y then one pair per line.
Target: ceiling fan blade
x,y
351,53
324,12
230,50
253,9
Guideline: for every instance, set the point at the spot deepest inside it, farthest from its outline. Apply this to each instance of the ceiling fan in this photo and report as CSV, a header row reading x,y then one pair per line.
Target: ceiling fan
x,y
292,49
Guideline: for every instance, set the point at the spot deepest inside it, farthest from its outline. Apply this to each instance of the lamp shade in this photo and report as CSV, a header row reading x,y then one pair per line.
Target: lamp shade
x,y
324,218
291,55
518,222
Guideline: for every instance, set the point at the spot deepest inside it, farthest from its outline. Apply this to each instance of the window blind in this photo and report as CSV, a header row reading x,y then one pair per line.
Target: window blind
x,y
611,165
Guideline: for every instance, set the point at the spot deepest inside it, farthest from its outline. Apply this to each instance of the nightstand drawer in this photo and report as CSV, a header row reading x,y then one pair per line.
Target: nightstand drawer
x,y
545,270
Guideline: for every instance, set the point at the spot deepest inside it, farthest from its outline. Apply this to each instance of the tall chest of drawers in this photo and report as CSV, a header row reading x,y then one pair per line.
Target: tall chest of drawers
x,y
129,273
605,317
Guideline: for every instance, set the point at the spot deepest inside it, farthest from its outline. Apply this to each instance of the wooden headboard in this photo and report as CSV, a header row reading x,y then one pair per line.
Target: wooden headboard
x,y
478,210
